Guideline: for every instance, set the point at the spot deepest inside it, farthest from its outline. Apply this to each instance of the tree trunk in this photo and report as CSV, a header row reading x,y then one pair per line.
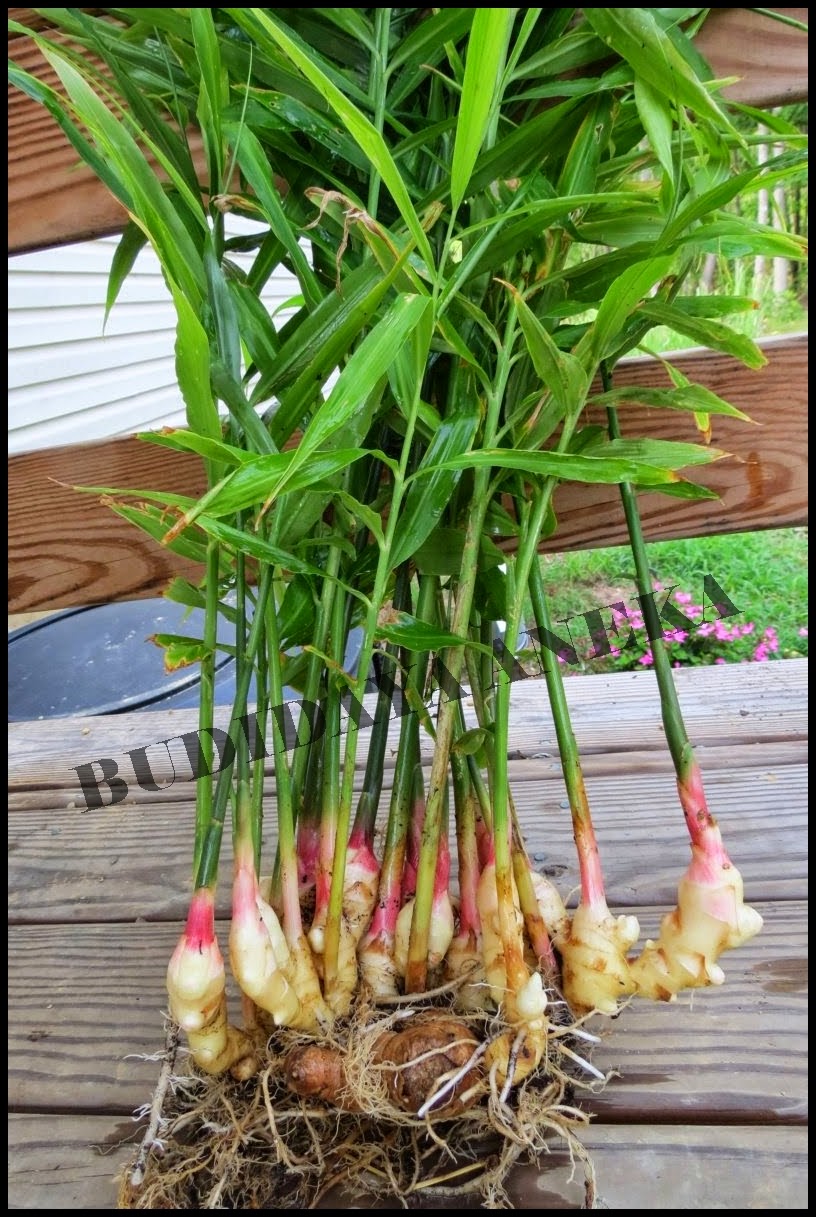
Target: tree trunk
x,y
763,215
781,266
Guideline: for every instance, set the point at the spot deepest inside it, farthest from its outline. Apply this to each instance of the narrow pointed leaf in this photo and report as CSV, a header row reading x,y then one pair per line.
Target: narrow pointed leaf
x,y
223,310
132,242
445,25
622,298
254,546
682,489
706,332
154,523
565,465
636,36
661,453
368,364
151,205
181,591
415,635
486,52
256,169
264,478
428,497
693,398
258,332
232,394
363,131
192,352
203,445
318,344
580,172
562,373
213,91
655,113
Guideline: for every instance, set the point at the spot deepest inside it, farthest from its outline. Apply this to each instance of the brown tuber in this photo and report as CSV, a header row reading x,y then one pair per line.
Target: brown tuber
x,y
421,1056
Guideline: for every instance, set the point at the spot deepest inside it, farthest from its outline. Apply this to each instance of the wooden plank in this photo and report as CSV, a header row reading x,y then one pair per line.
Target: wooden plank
x,y
763,484
52,198
55,1164
684,1167
614,712
769,58
537,767
67,549
53,201
74,865
65,1162
85,1003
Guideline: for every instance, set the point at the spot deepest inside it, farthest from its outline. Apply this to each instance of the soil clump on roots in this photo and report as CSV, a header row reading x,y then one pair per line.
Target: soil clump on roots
x,y
398,1105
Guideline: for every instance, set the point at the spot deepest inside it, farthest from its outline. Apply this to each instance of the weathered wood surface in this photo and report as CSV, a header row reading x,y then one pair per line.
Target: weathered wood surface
x,y
729,1056
67,548
770,59
711,1101
63,867
762,483
722,705
53,200
70,1162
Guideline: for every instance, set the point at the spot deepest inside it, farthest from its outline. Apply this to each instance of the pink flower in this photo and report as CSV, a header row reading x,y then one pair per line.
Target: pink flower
x,y
683,597
747,629
802,632
646,659
719,659
676,635
761,653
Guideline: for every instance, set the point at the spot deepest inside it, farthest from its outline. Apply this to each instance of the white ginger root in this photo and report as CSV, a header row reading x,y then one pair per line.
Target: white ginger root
x,y
440,934
551,906
465,958
710,917
314,1013
259,954
196,986
375,956
340,993
492,944
360,886
518,1052
595,971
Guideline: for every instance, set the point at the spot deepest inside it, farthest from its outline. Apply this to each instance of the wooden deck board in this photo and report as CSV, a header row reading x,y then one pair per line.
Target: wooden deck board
x,y
62,866
56,1163
722,705
85,1005
711,1101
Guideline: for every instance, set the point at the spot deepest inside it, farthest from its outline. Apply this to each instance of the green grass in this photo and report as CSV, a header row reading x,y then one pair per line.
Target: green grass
x,y
764,575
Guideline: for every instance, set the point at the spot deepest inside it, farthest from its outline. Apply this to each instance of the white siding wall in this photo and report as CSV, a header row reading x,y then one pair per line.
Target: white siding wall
x,y
69,382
